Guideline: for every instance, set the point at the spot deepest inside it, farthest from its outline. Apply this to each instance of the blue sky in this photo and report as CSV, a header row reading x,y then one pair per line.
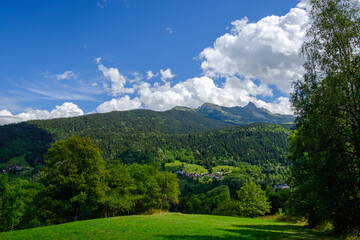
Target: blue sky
x,y
68,58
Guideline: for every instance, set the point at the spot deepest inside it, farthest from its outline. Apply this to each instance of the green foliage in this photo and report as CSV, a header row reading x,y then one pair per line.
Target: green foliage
x,y
279,200
205,203
74,178
169,189
119,198
252,200
325,150
11,204
23,139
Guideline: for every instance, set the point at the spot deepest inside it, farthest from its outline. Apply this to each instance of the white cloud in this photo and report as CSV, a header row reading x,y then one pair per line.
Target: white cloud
x,y
169,30
150,75
166,74
280,105
66,75
192,93
117,80
120,104
67,109
266,50
196,91
136,77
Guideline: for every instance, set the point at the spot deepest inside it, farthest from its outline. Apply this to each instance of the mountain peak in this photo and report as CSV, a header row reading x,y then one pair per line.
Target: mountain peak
x,y
251,105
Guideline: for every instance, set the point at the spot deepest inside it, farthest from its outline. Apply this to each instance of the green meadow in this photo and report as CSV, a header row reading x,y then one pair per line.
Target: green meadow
x,y
170,226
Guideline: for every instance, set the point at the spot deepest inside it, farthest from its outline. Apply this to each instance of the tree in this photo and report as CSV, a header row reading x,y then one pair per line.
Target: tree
x,y
74,179
147,192
325,149
11,203
169,189
119,197
252,200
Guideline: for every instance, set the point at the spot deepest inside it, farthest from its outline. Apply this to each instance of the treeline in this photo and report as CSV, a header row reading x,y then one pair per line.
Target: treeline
x,y
78,184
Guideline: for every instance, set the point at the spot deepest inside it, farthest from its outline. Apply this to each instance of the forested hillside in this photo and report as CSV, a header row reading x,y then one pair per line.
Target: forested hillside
x,y
149,137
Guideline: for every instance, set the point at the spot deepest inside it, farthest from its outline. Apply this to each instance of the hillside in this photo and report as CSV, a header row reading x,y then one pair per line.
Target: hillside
x,y
169,226
151,137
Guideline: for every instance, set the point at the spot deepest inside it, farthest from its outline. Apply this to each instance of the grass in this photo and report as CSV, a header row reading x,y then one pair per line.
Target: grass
x,y
177,166
172,226
224,168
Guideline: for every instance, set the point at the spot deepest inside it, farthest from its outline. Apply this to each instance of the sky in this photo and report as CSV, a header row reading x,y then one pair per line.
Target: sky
x,y
70,58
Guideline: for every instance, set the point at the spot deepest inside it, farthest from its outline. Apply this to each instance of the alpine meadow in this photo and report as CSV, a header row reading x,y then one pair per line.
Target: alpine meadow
x,y
260,141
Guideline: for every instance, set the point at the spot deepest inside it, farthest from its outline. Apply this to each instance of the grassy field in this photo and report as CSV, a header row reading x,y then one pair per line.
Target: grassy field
x,y
172,226
177,166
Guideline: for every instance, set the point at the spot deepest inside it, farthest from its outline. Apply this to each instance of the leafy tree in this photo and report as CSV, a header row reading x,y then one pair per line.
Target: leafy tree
x,y
325,149
147,190
119,197
252,200
11,203
74,178
169,189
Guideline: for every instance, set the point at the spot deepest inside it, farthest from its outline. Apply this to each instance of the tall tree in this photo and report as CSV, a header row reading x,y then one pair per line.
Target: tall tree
x,y
119,197
325,149
75,178
11,203
169,189
252,200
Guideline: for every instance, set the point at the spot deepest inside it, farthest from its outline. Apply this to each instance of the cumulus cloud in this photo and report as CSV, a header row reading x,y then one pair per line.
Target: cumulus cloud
x,y
66,75
120,104
67,109
192,93
166,74
280,105
266,50
150,75
117,80
196,91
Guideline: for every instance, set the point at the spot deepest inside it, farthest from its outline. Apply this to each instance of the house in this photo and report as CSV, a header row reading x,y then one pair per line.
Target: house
x,y
284,186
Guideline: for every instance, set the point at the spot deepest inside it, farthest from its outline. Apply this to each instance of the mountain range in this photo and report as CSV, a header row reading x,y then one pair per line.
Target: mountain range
x,y
240,115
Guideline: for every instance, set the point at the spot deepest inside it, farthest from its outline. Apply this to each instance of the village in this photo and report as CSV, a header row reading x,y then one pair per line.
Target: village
x,y
15,168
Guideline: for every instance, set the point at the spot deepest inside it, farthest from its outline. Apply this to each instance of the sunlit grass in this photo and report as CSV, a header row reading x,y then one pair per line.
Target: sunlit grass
x,y
178,166
170,226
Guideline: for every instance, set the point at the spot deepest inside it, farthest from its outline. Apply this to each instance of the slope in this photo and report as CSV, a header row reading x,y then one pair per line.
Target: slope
x,y
169,226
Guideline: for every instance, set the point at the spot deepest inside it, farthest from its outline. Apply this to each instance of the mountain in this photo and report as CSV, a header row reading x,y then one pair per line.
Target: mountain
x,y
148,136
243,115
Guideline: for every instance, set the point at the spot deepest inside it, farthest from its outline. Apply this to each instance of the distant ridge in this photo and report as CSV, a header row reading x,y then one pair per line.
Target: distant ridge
x,y
239,115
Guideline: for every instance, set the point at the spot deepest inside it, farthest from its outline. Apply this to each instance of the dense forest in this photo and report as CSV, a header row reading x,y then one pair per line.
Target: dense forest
x,y
148,137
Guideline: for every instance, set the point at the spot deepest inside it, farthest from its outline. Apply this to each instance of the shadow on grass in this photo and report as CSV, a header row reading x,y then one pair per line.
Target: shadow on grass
x,y
247,232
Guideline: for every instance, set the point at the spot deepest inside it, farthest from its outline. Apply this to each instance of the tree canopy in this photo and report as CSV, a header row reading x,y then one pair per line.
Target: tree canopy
x,y
74,176
325,149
